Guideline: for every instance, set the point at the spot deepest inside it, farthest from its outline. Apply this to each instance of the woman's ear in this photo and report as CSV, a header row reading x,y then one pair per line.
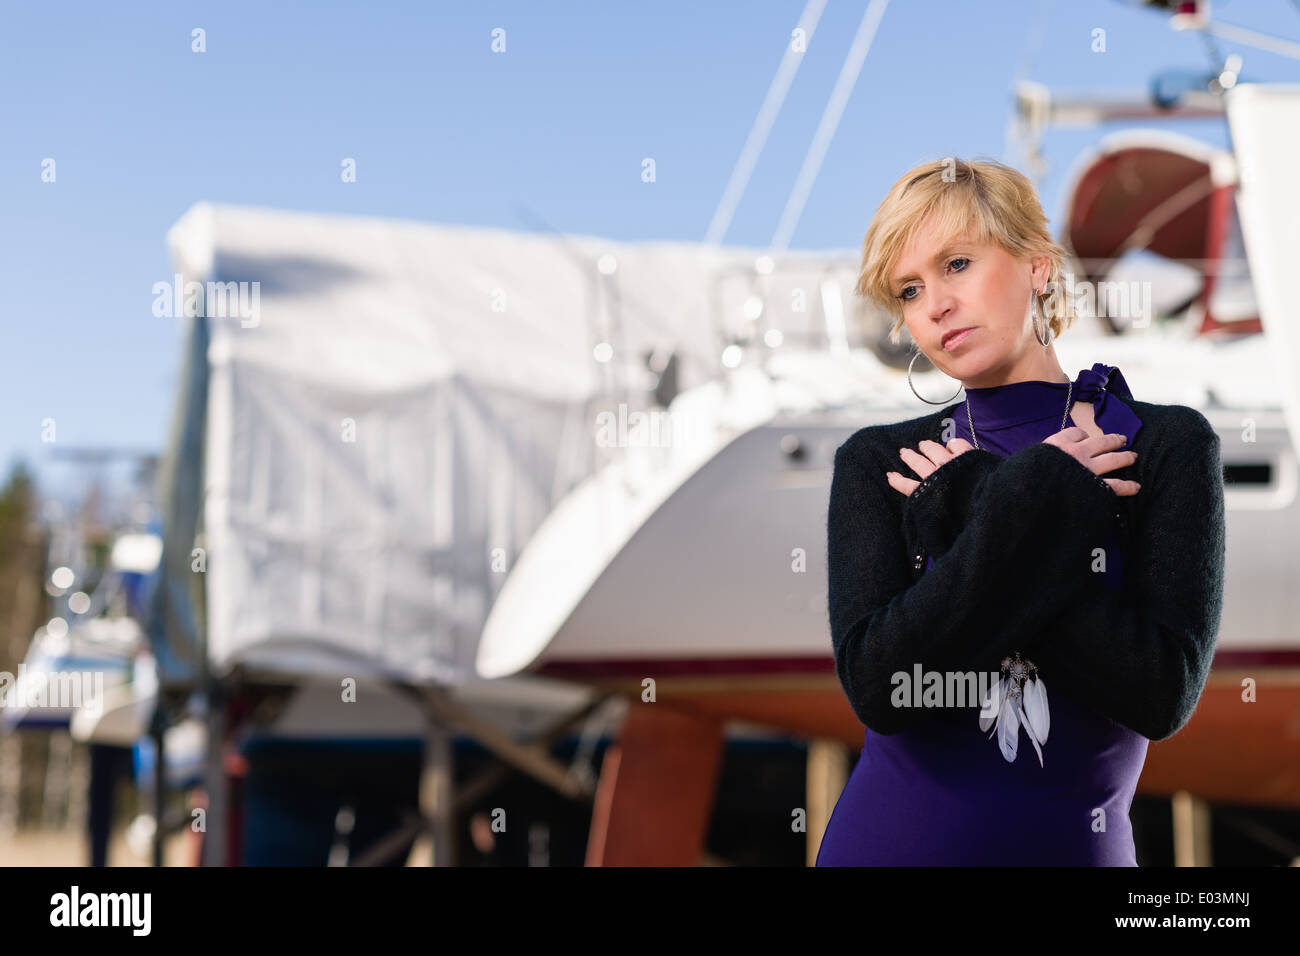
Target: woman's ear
x,y
1041,270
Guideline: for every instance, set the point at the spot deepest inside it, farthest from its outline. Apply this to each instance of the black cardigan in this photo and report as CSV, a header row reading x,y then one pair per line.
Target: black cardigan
x,y
1014,542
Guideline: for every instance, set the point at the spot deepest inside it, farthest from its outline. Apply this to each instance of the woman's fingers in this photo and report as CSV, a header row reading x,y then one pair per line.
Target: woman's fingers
x,y
916,461
1122,486
1112,460
935,452
900,483
925,464
1108,442
1098,453
1066,438
1076,437
1072,433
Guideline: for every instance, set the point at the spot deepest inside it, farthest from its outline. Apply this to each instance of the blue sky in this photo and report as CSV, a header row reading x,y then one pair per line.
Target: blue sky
x,y
444,130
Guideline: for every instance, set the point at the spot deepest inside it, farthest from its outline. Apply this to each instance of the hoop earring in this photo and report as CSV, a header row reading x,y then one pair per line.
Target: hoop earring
x,y
1039,320
918,394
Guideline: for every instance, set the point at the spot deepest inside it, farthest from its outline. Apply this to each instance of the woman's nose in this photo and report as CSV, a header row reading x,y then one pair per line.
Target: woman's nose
x,y
940,305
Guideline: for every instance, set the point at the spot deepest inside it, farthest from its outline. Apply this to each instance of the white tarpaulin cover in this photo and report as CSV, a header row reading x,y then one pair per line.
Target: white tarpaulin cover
x,y
383,435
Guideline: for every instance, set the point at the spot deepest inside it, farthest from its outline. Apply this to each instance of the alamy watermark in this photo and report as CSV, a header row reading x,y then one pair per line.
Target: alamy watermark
x,y
62,690
944,689
1129,300
225,300
653,428
129,910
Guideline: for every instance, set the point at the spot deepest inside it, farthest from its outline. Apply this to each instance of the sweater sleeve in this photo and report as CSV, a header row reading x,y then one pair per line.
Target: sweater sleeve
x,y
940,506
1028,539
1141,654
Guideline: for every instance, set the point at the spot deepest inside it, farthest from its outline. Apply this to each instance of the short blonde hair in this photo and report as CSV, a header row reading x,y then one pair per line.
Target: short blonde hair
x,y
988,200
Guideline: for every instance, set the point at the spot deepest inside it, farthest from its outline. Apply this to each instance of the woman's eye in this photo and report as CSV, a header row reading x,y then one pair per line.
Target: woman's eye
x,y
953,262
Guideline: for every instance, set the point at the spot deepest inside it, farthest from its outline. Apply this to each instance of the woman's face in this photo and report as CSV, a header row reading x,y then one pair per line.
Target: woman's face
x,y
944,287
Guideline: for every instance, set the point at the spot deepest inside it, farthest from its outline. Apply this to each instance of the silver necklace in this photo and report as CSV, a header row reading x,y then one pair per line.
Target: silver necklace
x,y
1064,418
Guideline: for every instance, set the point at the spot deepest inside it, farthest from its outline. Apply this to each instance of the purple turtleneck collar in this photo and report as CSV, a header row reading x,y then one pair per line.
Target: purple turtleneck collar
x,y
1008,417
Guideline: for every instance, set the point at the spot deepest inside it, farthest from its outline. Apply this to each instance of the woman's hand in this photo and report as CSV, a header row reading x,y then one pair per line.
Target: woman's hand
x,y
1098,454
925,464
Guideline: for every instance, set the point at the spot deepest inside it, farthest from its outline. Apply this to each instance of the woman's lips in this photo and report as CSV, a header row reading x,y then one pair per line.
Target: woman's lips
x,y
953,341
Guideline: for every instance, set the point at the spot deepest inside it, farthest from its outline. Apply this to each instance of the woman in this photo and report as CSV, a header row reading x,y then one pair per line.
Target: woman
x,y
1052,533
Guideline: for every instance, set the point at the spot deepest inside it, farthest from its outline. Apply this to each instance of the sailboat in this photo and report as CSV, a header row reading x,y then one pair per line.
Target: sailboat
x,y
705,580
503,463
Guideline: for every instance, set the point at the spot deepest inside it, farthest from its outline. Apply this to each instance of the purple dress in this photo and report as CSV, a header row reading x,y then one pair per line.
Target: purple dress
x,y
940,793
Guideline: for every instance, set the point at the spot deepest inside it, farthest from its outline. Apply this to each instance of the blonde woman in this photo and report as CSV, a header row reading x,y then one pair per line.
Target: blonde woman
x,y
1050,533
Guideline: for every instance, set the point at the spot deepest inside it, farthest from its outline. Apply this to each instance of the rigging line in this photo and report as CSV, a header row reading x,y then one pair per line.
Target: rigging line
x,y
1034,43
830,120
762,126
1260,41
1216,55
1033,46
1156,219
1229,31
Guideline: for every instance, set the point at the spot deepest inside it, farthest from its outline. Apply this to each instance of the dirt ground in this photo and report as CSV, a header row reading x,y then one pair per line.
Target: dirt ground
x,y
71,848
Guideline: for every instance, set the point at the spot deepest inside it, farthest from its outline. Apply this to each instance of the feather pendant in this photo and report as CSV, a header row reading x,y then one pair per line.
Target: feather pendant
x,y
1035,709
992,704
1029,732
1008,730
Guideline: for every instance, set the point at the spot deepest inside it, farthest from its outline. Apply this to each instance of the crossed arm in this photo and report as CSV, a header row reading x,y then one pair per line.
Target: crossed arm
x,y
1016,538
